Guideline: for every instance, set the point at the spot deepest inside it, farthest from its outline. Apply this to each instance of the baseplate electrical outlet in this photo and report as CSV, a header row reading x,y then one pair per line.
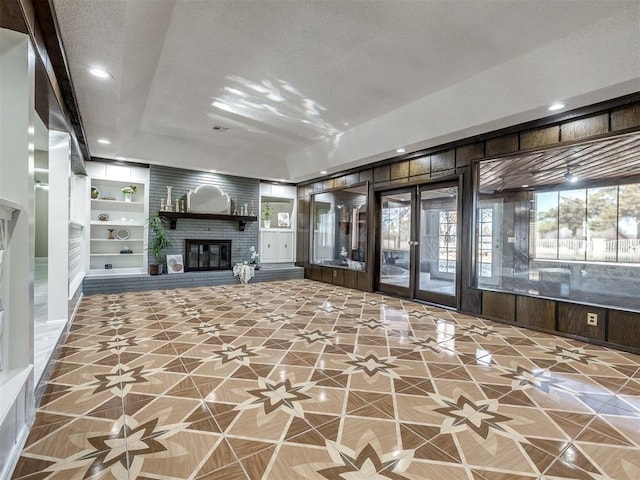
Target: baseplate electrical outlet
x,y
592,319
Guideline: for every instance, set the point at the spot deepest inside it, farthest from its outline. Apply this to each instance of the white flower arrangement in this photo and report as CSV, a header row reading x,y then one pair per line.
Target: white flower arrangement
x,y
254,254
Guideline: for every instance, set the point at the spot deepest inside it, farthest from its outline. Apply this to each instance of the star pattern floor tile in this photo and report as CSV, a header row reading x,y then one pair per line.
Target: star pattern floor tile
x,y
304,380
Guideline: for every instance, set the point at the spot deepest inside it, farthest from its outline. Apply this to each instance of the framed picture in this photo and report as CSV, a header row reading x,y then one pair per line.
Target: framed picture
x,y
283,219
175,264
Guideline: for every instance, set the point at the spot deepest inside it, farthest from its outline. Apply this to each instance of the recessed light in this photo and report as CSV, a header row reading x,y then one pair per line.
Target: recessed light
x,y
323,172
525,186
282,179
213,171
100,73
119,157
104,141
557,106
401,150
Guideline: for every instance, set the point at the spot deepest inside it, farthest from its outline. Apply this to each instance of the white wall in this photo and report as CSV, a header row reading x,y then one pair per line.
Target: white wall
x,y
59,172
17,75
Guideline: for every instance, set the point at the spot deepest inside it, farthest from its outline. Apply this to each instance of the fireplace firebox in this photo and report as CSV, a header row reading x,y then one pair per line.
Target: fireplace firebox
x,y
202,255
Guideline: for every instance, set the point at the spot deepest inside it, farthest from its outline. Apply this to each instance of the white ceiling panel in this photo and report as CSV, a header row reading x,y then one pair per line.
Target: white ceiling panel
x,y
301,86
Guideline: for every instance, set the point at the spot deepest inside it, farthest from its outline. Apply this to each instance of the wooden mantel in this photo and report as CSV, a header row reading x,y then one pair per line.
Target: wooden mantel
x,y
174,216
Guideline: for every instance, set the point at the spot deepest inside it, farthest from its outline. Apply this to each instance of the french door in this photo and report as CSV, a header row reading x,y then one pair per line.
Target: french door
x,y
418,243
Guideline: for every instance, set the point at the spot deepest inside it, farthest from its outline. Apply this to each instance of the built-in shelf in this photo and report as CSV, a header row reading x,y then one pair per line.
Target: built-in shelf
x,y
126,222
117,224
7,207
115,254
174,216
111,204
75,224
117,240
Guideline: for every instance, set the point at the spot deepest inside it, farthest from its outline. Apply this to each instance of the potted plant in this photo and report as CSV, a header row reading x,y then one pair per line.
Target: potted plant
x,y
157,243
266,214
129,191
255,256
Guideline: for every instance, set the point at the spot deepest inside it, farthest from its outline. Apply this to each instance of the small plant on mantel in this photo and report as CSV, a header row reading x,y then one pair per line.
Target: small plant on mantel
x,y
158,242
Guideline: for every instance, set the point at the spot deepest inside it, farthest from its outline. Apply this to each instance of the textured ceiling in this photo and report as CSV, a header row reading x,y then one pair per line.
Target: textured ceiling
x,y
303,86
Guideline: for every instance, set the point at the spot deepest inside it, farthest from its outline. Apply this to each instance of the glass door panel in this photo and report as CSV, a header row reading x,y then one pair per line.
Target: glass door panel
x,y
395,242
437,262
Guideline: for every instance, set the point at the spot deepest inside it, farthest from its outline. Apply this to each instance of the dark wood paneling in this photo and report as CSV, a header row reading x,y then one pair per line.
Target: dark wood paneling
x,y
502,145
573,319
366,176
364,281
308,273
351,279
624,328
466,153
399,181
627,117
316,272
499,305
399,170
337,275
381,174
334,276
470,298
540,137
327,274
586,127
420,166
443,161
536,312
352,179
11,16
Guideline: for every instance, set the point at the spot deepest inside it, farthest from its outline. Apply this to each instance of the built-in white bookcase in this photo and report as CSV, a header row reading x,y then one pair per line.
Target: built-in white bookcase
x,y
118,222
277,240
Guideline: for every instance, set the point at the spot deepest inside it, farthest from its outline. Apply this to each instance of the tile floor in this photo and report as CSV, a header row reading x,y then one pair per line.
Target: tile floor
x,y
304,380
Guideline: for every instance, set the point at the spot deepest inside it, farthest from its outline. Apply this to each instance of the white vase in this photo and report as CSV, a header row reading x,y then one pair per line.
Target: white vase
x,y
267,223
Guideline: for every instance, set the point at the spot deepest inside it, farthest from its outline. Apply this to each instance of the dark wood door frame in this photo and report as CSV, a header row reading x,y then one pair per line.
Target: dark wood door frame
x,y
416,189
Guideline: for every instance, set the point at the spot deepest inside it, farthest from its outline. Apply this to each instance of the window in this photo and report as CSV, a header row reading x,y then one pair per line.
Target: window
x,y
447,241
594,224
485,242
340,227
538,234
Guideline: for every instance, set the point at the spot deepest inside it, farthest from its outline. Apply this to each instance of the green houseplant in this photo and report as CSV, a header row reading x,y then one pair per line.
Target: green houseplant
x,y
266,214
129,191
158,242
